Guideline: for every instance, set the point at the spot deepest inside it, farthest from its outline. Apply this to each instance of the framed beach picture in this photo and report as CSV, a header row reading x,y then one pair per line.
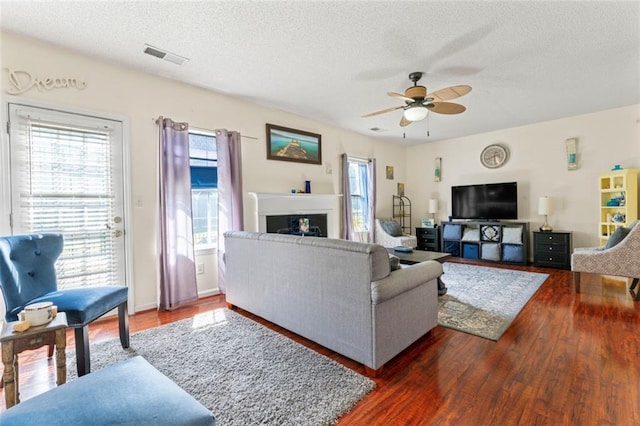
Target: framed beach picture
x,y
285,144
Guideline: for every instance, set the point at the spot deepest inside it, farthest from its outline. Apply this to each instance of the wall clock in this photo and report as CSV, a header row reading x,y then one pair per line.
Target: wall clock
x,y
494,156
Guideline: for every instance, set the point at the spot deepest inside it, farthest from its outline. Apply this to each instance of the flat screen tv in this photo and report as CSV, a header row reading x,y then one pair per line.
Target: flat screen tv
x,y
487,201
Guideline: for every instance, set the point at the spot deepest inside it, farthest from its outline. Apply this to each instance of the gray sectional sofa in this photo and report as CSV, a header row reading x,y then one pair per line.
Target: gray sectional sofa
x,y
340,294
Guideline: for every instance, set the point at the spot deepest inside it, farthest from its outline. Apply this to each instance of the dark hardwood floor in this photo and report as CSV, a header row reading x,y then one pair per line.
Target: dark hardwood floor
x,y
566,359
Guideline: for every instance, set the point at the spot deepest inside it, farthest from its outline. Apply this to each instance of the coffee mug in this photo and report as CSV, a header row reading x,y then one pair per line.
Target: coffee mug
x,y
38,313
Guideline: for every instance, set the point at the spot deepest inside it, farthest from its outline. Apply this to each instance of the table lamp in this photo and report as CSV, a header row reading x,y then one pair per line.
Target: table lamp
x,y
433,209
545,207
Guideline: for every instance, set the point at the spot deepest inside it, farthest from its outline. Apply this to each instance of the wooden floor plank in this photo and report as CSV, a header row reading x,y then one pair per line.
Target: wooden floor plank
x,y
566,359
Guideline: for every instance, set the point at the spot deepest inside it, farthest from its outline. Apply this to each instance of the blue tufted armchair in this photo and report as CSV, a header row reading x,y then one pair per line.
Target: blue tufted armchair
x,y
28,275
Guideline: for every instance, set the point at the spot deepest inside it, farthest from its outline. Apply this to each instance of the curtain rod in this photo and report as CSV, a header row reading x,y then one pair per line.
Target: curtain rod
x,y
155,120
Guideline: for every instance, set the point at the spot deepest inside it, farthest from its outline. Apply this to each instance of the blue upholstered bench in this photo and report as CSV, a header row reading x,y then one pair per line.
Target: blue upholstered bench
x,y
131,392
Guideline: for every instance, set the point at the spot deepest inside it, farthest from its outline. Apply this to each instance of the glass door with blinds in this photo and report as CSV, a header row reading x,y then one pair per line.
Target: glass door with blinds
x,y
67,177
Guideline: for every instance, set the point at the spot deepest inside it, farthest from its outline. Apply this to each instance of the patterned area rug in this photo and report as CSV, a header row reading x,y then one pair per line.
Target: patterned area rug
x,y
243,372
484,301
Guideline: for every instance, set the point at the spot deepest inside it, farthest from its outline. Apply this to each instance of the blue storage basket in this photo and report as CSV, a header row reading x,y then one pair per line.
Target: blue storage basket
x,y
451,231
470,251
512,253
452,247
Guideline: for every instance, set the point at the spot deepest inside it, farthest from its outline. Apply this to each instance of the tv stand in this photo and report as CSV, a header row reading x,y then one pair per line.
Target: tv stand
x,y
489,240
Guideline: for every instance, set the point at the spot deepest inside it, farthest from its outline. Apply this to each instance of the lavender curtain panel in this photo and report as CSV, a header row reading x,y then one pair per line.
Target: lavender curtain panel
x,y
346,221
175,235
371,197
230,204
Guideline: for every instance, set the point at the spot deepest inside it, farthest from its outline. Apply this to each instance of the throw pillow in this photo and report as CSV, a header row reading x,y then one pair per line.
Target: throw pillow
x,y
471,234
490,251
391,227
617,236
451,232
512,235
394,262
490,233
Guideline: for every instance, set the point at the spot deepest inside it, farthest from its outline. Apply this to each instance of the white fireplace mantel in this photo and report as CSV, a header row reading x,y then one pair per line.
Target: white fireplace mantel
x,y
269,204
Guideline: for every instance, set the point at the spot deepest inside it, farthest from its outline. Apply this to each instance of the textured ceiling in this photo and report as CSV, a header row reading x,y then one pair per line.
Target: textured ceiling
x,y
334,61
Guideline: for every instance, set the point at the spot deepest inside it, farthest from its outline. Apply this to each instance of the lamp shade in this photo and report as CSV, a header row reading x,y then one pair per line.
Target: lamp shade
x,y
416,113
433,206
545,205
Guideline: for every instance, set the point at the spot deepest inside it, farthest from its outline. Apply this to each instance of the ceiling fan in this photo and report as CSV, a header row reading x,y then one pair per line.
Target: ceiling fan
x,y
419,102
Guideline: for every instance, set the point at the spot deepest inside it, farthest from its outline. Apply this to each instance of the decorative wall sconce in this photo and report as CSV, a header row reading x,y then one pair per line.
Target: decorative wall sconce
x,y
572,153
437,173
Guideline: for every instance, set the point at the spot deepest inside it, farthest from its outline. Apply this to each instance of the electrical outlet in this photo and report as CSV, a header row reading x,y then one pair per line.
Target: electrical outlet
x,y
200,268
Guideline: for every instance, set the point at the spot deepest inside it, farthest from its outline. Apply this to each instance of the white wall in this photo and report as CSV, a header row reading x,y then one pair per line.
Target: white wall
x,y
538,162
141,98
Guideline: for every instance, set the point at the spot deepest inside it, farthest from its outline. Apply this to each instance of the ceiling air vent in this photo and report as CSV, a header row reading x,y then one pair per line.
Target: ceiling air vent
x,y
163,54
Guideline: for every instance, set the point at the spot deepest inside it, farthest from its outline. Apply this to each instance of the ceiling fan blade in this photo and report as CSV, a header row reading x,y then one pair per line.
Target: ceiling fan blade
x,y
446,108
400,96
449,93
404,122
382,111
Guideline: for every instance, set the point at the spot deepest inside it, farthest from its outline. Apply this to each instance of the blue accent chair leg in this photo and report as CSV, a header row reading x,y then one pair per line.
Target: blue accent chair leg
x,y
123,324
83,359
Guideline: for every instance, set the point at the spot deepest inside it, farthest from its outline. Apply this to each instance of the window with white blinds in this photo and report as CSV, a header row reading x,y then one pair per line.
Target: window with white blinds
x,y
359,184
203,161
64,180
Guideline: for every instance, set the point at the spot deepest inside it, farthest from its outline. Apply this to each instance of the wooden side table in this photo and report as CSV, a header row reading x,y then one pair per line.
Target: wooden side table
x,y
53,333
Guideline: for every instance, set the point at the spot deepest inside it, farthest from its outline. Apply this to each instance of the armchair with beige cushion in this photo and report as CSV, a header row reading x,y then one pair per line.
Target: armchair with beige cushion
x,y
389,234
620,257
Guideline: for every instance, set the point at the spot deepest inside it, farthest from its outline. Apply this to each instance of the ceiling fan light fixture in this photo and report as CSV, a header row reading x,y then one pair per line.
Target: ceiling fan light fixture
x,y
416,113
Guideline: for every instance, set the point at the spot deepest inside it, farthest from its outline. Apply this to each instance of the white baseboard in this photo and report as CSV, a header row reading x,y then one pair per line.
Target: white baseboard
x,y
201,294
208,293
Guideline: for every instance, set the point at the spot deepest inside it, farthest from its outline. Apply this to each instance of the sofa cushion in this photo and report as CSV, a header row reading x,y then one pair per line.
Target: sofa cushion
x,y
84,304
130,392
391,227
618,235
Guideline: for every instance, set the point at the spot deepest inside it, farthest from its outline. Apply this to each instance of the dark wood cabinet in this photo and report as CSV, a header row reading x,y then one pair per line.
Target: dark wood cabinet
x,y
428,239
552,249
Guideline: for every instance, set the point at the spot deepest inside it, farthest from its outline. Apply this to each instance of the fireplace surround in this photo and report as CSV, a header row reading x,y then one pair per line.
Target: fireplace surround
x,y
303,205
